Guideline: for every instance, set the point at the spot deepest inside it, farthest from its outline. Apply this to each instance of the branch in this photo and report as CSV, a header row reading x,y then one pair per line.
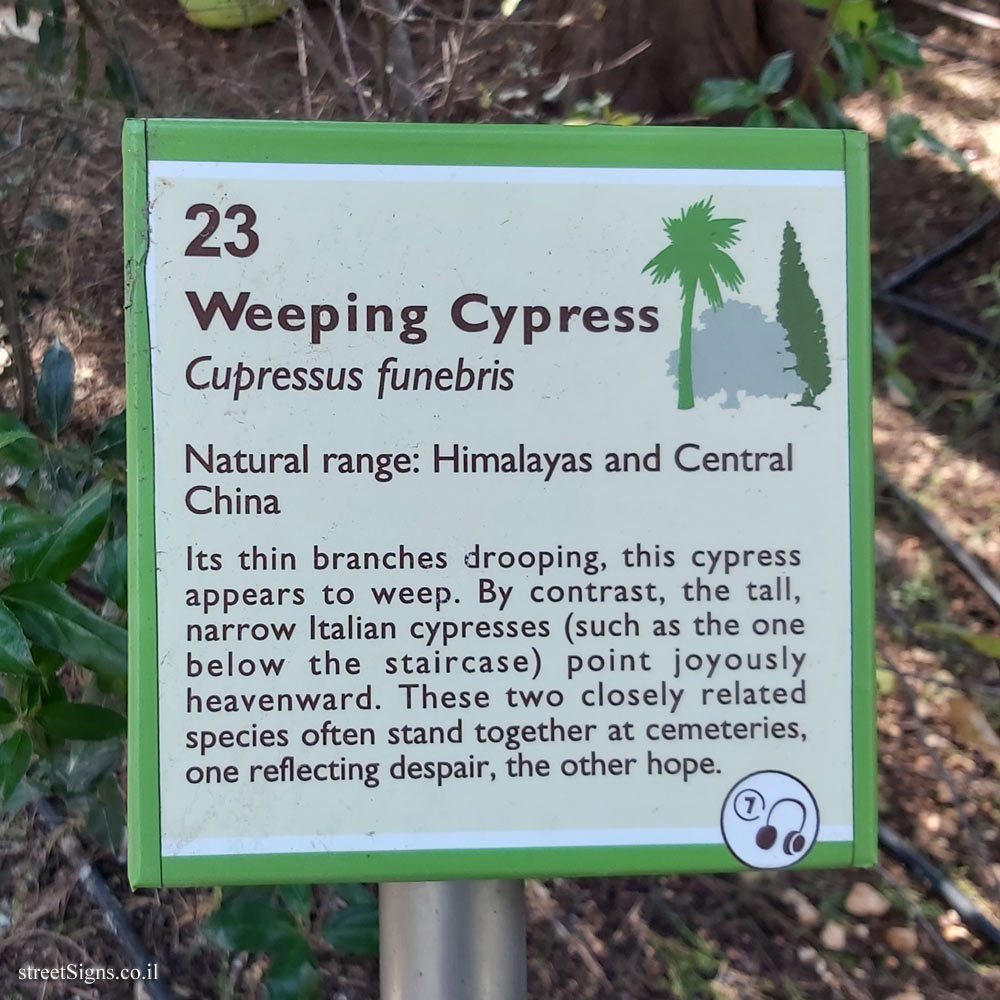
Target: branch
x,y
962,13
319,45
19,346
400,67
303,61
352,69
457,58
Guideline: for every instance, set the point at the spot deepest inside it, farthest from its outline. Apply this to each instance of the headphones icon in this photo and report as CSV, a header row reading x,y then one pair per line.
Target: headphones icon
x,y
794,841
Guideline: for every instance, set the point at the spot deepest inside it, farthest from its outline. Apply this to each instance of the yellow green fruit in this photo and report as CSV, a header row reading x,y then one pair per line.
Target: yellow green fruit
x,y
233,13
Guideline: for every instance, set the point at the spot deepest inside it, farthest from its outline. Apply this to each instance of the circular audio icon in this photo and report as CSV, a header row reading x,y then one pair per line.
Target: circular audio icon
x,y
770,820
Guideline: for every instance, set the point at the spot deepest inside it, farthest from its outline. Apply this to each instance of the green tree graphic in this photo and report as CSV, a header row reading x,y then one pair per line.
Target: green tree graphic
x,y
696,255
799,312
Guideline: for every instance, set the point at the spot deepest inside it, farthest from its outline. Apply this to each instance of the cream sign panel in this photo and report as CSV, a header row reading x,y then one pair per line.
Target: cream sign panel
x,y
501,508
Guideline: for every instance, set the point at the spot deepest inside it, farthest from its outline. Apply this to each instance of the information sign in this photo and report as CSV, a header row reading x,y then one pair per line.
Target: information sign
x,y
500,501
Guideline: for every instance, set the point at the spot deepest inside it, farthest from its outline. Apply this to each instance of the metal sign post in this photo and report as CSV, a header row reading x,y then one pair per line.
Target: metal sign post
x,y
453,940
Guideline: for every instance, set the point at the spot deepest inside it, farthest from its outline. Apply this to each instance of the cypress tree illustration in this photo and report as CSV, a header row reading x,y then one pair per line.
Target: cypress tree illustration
x,y
799,312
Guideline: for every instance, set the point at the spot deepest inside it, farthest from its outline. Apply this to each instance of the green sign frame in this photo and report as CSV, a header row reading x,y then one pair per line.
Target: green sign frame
x,y
540,146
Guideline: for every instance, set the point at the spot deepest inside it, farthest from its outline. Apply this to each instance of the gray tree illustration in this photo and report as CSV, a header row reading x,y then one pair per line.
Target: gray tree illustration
x,y
800,313
738,350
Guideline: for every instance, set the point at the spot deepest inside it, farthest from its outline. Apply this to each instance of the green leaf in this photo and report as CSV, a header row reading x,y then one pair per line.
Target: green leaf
x,y
901,131
111,571
9,437
799,114
298,899
848,54
50,55
74,720
48,661
895,47
52,618
27,793
725,95
249,919
835,116
932,142
75,537
22,449
856,16
761,117
25,534
52,689
827,84
82,72
22,258
15,656
987,644
353,893
885,347
776,72
55,387
869,64
7,712
904,385
893,83
30,695
15,756
353,929
80,766
109,441
123,82
103,811
292,974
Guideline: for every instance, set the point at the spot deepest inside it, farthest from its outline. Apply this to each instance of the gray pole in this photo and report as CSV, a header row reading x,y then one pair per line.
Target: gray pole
x,y
453,940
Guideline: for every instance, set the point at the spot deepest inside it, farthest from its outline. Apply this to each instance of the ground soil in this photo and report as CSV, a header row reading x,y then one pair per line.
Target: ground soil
x,y
937,441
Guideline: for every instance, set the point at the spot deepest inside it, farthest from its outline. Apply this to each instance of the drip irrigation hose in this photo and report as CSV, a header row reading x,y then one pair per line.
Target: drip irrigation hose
x,y
889,839
98,890
956,242
973,918
888,291
919,308
951,50
961,555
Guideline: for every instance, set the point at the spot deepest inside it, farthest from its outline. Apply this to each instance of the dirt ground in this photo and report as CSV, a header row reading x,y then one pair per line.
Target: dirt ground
x,y
937,438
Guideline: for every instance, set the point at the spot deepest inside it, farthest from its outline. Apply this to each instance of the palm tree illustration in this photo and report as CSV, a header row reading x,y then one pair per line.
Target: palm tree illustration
x,y
696,254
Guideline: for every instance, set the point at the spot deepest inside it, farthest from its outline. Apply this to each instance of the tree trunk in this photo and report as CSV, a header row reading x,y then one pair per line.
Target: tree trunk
x,y
685,380
690,40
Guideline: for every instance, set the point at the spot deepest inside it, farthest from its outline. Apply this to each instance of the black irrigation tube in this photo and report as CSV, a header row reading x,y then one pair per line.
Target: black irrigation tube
x,y
928,312
98,890
961,555
956,242
950,50
888,292
973,918
889,840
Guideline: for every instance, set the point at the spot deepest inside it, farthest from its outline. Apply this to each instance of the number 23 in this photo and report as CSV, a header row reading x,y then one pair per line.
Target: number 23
x,y
199,246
